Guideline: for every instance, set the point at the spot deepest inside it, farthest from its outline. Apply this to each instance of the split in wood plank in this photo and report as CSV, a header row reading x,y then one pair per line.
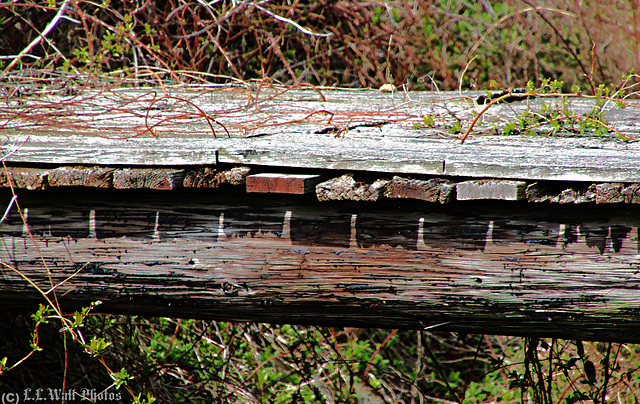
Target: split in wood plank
x,y
375,132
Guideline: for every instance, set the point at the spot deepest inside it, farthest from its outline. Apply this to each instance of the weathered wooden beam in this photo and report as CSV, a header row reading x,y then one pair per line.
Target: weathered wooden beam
x,y
557,271
295,184
432,190
491,189
93,177
377,134
208,177
584,193
347,188
148,178
21,177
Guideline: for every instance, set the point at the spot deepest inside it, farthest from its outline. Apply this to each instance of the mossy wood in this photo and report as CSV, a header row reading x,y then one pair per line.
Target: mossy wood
x,y
164,205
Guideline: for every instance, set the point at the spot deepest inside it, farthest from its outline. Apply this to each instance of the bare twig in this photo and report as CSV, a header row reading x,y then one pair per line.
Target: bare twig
x,y
40,37
6,212
291,22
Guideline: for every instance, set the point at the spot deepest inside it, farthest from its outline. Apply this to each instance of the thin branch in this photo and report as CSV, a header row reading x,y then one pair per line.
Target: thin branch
x,y
40,37
566,43
295,24
6,212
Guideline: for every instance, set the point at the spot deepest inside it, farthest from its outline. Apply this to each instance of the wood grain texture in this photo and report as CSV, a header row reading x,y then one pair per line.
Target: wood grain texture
x,y
562,272
365,131
491,189
569,269
294,184
432,190
24,177
92,177
159,178
347,188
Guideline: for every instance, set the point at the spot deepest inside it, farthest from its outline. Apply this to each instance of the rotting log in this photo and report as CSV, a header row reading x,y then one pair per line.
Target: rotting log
x,y
556,271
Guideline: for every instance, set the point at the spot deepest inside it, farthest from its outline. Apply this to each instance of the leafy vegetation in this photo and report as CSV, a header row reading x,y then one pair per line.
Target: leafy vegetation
x,y
422,45
195,361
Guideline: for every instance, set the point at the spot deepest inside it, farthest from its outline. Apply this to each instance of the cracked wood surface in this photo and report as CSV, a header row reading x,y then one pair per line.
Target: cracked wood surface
x,y
329,129
563,272
217,252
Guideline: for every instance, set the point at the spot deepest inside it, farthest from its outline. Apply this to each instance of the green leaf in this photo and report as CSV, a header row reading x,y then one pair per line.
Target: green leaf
x,y
455,128
121,378
41,315
96,346
531,87
510,129
429,120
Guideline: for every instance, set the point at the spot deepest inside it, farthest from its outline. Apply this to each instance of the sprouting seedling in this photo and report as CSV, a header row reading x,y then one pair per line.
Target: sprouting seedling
x,y
562,118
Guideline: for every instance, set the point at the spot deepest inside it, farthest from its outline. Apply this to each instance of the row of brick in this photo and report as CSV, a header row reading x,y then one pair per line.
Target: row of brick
x,y
345,187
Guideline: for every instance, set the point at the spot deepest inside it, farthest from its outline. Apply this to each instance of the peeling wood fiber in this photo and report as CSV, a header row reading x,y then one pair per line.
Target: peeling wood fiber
x,y
374,132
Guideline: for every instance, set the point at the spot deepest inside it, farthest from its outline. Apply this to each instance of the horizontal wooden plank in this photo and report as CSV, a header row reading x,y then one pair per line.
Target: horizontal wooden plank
x,y
432,190
566,272
295,184
365,131
347,188
440,190
491,189
159,178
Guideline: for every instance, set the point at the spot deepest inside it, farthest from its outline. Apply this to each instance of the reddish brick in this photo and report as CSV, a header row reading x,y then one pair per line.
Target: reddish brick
x,y
296,184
